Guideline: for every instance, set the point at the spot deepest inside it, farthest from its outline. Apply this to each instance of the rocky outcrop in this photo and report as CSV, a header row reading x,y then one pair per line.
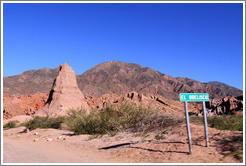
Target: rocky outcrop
x,y
22,105
64,95
226,105
150,101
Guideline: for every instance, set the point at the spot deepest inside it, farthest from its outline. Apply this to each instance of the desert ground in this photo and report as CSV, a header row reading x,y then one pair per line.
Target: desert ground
x,y
61,146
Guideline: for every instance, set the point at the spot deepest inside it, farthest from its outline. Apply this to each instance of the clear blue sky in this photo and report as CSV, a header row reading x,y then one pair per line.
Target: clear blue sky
x,y
199,41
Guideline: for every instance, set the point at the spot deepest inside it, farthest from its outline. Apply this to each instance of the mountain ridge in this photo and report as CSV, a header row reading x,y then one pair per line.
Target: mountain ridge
x,y
117,77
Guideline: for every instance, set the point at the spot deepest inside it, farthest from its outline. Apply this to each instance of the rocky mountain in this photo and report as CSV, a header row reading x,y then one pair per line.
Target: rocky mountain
x,y
118,78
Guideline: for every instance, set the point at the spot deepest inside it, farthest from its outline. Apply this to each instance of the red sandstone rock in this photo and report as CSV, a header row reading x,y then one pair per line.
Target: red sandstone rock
x,y
22,105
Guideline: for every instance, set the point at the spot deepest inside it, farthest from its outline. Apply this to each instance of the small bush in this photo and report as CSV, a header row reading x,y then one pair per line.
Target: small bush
x,y
159,137
11,124
196,120
225,122
93,123
162,135
44,122
157,120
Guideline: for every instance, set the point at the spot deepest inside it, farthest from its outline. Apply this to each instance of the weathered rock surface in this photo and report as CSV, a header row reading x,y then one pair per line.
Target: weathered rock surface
x,y
155,102
226,105
22,105
64,95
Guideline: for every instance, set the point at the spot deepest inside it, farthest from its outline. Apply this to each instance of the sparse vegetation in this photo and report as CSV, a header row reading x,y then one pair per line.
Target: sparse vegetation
x,y
93,123
234,145
224,122
161,136
119,118
44,122
122,117
95,136
144,135
11,124
233,123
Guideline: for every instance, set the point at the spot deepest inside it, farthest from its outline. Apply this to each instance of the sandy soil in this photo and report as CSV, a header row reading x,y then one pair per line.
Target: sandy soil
x,y
60,146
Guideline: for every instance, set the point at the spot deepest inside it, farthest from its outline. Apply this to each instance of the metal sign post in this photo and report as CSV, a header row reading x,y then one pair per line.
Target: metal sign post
x,y
195,97
188,126
205,123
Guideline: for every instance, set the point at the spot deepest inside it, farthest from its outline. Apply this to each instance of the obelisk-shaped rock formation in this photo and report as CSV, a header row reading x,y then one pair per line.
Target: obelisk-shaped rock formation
x,y
64,95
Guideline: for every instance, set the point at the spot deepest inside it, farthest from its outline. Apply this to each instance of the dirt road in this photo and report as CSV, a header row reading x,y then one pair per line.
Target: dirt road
x,y
19,151
27,148
64,147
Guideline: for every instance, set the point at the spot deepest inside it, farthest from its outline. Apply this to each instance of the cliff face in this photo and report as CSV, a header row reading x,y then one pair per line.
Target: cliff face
x,y
118,78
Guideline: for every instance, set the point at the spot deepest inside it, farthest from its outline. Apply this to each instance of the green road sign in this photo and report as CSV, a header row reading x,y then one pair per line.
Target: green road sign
x,y
193,97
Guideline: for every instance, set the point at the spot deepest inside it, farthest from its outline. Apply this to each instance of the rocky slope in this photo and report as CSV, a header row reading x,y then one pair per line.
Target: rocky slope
x,y
118,78
146,100
30,82
22,105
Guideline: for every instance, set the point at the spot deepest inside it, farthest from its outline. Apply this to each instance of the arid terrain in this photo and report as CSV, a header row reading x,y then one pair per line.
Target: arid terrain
x,y
61,146
107,82
131,115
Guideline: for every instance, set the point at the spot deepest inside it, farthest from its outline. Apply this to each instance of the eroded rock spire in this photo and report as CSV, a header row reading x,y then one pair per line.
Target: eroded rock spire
x,y
64,95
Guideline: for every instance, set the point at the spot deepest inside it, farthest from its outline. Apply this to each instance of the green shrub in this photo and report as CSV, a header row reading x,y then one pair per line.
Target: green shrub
x,y
93,123
44,122
196,120
126,115
118,118
109,121
161,135
112,119
224,122
11,124
227,122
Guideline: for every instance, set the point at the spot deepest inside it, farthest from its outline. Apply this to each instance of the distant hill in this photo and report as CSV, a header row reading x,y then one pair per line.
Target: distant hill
x,y
30,82
118,78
